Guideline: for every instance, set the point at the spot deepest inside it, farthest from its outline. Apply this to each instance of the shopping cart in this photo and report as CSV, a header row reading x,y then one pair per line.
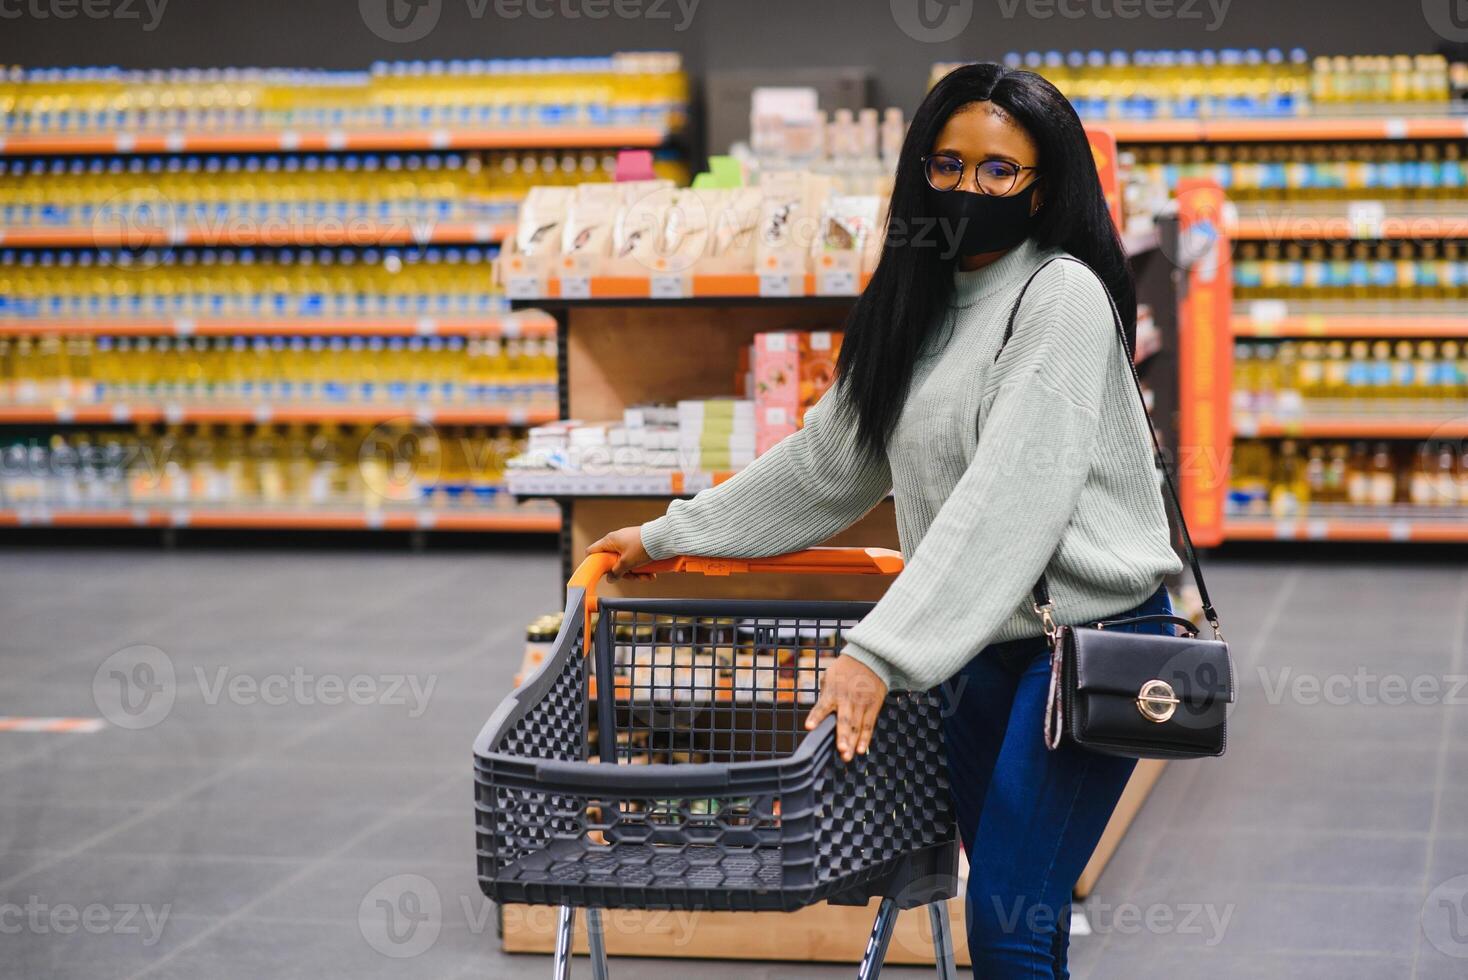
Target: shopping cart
x,y
672,769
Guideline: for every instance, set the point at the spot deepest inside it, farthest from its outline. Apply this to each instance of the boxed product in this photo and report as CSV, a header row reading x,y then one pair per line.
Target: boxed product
x,y
792,370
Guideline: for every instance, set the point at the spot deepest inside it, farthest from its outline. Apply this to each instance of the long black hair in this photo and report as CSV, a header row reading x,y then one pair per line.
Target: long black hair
x,y
912,286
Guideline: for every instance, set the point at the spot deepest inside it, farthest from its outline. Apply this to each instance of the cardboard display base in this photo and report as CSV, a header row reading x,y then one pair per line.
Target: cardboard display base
x,y
820,933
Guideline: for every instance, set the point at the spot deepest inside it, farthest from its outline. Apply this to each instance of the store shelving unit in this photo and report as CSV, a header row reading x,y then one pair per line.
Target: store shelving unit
x,y
1300,128
148,229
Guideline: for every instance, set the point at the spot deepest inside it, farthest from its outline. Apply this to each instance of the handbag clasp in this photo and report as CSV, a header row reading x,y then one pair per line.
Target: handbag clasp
x,y
1157,701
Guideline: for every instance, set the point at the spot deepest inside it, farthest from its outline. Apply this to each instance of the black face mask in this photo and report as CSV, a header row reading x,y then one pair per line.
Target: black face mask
x,y
983,222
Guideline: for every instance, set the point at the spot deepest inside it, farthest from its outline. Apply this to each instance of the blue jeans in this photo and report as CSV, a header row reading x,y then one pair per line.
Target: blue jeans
x,y
1028,817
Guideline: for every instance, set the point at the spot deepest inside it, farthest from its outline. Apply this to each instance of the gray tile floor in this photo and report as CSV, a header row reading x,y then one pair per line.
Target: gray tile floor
x,y
240,835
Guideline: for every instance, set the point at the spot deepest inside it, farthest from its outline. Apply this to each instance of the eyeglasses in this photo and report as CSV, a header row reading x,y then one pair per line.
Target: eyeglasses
x,y
997,177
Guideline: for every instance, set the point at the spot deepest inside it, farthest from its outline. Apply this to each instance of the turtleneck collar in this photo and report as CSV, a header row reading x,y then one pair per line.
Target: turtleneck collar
x,y
970,287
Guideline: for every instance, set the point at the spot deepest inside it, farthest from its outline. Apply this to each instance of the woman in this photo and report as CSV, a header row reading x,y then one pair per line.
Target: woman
x,y
1006,455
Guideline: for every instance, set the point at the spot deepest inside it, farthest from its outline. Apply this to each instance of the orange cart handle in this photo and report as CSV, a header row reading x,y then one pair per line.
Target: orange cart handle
x,y
812,561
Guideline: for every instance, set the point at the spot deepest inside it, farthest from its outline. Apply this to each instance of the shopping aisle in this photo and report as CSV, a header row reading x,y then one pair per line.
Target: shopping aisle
x,y
261,819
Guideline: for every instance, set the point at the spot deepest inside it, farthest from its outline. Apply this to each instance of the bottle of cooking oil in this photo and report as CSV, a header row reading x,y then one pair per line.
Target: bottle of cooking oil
x,y
1289,491
1383,480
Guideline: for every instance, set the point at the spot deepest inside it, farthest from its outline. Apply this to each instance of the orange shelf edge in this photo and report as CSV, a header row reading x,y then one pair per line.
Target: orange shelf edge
x,y
1322,325
1294,129
289,520
1309,229
1307,529
526,323
297,141
1348,428
347,234
120,413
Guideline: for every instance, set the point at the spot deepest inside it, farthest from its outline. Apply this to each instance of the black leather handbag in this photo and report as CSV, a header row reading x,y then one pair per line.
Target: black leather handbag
x,y
1145,696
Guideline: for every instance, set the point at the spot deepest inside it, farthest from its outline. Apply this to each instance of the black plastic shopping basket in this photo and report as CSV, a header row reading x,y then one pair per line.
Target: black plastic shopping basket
x,y
672,768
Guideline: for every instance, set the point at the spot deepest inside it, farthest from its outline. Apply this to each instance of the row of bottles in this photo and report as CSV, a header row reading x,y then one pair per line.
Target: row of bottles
x,y
164,191
636,88
1316,171
454,370
284,466
1285,479
1382,270
1287,376
1249,82
248,282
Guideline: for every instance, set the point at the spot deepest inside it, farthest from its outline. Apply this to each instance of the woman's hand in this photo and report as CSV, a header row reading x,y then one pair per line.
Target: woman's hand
x,y
627,545
855,694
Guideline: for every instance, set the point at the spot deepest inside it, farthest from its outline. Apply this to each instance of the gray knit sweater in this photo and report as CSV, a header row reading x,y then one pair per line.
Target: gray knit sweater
x,y
1040,461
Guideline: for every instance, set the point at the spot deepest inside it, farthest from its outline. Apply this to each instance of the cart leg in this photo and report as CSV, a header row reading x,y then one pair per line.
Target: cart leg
x,y
871,961
598,944
942,940
565,932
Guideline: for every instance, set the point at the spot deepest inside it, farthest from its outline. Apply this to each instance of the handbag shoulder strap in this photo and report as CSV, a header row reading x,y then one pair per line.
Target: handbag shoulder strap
x,y
1040,593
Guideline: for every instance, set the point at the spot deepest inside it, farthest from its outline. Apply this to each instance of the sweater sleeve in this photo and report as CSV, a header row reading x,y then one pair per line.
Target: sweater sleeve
x,y
996,532
815,482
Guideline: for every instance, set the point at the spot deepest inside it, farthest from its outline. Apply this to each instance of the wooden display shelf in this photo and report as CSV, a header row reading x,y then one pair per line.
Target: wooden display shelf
x,y
242,233
1291,130
281,519
1347,326
336,140
1346,529
527,323
1358,427
114,413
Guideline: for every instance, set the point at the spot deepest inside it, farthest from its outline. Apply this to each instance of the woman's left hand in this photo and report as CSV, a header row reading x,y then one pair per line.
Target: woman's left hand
x,y
854,693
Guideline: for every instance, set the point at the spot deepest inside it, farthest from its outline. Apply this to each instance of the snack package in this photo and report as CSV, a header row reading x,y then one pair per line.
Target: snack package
x,y
789,219
589,217
638,230
542,220
792,370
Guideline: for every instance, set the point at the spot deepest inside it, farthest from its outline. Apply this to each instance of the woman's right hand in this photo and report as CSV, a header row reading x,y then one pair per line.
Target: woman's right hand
x,y
626,544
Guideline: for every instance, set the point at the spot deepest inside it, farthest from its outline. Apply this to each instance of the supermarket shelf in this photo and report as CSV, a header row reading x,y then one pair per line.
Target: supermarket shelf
x,y
526,323
1307,228
264,412
291,141
1345,529
348,520
1347,326
265,233
650,483
682,288
1358,427
1288,130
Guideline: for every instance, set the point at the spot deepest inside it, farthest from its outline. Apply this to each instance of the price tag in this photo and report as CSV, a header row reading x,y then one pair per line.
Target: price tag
x,y
1267,312
517,416
140,517
423,414
179,517
670,286
440,139
575,287
184,327
173,413
694,482
120,413
525,287
1315,529
426,326
125,142
483,231
1365,218
1284,530
776,285
1399,530
373,520
837,282
427,518
336,139
599,486
65,414
2,233
290,140
263,413
174,142
510,326
1246,426
1396,129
